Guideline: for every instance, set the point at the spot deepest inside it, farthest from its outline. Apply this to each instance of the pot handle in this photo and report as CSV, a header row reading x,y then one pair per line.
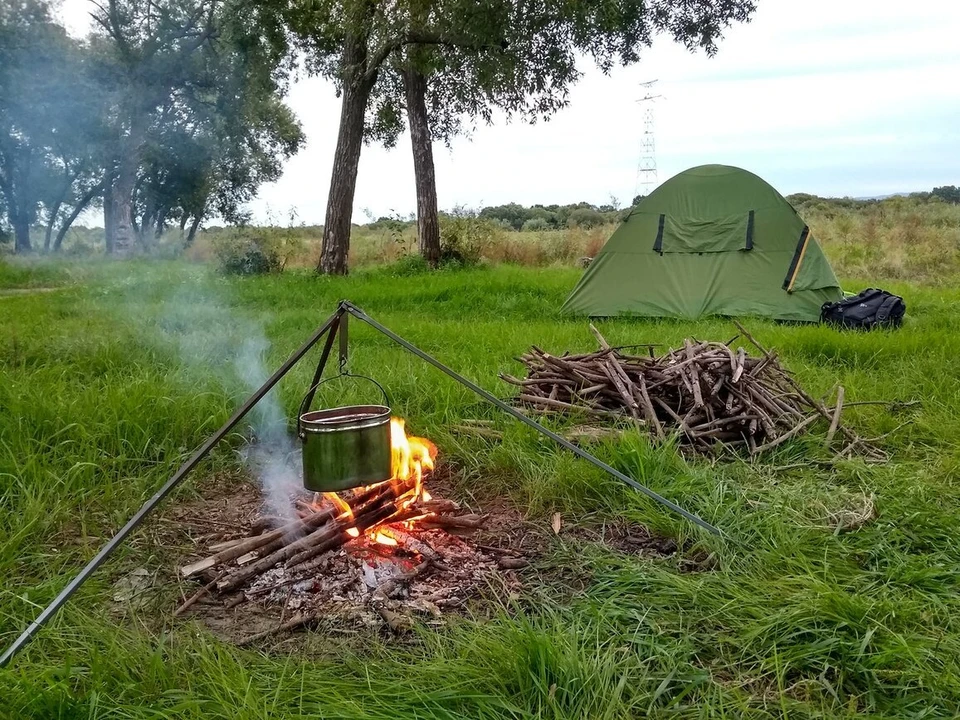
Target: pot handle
x,y
305,403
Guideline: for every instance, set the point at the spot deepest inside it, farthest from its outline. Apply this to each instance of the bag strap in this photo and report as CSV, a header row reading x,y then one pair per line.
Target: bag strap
x,y
886,307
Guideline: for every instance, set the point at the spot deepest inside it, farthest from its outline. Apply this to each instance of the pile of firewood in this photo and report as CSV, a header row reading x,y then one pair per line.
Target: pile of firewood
x,y
301,548
705,392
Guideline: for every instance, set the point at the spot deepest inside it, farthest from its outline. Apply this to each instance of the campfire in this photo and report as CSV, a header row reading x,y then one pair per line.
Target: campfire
x,y
389,549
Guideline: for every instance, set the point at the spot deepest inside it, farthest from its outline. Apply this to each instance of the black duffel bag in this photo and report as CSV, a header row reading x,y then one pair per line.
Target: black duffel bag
x,y
872,308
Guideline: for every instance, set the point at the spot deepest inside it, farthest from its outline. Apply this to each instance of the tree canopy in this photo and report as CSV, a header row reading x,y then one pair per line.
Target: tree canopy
x,y
171,111
473,56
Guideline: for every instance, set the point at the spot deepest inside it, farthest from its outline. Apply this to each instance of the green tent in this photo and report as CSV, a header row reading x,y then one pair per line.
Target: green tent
x,y
713,240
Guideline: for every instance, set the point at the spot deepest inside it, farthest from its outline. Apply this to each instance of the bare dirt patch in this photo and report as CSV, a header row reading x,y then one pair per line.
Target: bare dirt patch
x,y
424,574
361,588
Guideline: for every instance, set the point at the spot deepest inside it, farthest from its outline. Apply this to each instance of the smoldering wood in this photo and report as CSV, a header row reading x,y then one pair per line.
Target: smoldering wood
x,y
303,547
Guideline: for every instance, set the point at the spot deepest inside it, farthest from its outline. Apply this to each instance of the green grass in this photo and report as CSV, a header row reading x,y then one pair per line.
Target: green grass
x,y
107,385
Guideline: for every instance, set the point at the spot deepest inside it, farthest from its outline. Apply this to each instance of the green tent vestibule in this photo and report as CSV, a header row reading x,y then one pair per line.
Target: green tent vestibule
x,y
713,240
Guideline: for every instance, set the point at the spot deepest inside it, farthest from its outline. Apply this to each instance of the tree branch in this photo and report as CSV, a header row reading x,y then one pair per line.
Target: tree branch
x,y
419,37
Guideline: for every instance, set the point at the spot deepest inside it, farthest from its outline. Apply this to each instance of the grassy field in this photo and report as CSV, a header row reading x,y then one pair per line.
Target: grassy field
x,y
899,238
107,385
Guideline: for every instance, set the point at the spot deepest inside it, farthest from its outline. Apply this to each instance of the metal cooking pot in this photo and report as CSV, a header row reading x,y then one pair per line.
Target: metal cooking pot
x,y
345,447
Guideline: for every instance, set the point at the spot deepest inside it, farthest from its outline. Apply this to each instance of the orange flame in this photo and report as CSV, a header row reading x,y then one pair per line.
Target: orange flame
x,y
383,539
345,512
411,457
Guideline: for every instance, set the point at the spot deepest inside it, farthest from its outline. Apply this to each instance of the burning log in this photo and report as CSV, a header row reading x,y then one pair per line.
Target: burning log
x,y
371,507
705,391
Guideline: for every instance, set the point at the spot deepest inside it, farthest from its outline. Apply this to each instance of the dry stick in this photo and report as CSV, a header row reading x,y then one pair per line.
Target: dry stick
x,y
891,404
682,423
628,399
292,624
740,365
600,339
564,406
719,422
591,389
272,541
197,595
421,547
362,523
650,412
237,599
836,418
259,541
786,436
217,547
471,522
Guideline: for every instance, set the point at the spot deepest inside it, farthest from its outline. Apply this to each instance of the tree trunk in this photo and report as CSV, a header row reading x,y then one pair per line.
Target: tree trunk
x,y
48,234
124,234
346,159
191,236
108,218
183,225
52,220
428,221
21,233
147,228
160,225
80,206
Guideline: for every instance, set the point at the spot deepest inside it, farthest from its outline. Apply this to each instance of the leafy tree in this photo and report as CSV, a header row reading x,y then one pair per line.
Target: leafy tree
x,y
150,53
196,113
585,218
36,100
523,66
212,150
948,193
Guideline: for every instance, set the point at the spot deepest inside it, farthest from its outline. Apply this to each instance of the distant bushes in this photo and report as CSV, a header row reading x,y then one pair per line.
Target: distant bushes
x,y
585,218
255,251
536,224
552,217
898,238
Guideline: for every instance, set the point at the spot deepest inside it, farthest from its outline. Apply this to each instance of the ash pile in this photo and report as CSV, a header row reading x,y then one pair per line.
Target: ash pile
x,y
383,556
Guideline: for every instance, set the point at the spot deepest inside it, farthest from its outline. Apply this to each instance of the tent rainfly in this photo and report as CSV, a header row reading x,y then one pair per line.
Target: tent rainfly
x,y
713,240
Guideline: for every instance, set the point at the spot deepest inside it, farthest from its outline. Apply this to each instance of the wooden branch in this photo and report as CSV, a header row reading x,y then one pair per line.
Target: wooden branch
x,y
202,592
600,339
836,418
292,624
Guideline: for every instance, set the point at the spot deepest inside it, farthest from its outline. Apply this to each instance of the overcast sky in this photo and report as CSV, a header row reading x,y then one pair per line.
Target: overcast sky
x,y
839,97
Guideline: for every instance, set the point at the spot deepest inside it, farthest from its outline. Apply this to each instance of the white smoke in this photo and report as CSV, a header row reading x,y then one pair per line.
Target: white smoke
x,y
215,341
275,457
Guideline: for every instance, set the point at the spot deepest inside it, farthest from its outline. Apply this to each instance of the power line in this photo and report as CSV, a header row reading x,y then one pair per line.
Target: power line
x,y
647,164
